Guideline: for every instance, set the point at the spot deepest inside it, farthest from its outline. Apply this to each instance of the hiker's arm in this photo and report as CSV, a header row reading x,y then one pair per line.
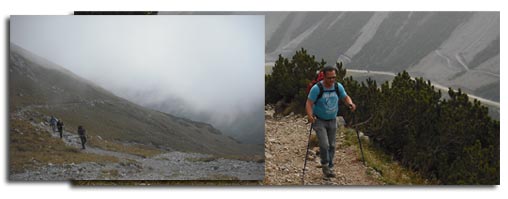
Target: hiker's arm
x,y
349,103
343,96
308,109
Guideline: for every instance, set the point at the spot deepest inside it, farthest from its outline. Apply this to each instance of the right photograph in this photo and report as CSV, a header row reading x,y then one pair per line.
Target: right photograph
x,y
382,98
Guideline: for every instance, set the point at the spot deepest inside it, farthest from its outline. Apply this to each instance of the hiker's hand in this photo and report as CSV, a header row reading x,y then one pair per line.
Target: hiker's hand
x,y
352,107
311,119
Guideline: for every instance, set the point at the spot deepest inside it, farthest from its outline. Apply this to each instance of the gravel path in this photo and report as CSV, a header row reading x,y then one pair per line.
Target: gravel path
x,y
167,166
286,143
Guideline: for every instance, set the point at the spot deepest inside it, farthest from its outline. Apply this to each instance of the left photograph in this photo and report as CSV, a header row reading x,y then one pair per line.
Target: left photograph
x,y
136,97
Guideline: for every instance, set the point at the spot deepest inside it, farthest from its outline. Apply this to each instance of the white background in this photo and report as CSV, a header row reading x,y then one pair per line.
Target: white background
x,y
64,190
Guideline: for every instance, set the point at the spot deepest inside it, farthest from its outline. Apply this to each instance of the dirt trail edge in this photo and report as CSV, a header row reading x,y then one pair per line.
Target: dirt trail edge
x,y
285,148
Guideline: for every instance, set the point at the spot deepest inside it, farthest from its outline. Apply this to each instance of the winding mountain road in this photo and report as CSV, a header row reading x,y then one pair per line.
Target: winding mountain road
x,y
438,86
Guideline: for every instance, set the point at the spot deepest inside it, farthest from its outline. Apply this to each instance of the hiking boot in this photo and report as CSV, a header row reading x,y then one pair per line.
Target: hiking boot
x,y
327,172
332,172
330,166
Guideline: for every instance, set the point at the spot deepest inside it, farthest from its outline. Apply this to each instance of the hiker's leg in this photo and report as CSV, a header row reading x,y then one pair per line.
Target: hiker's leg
x,y
320,129
331,133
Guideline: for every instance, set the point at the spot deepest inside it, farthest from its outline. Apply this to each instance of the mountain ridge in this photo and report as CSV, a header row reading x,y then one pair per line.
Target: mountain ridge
x,y
56,91
455,49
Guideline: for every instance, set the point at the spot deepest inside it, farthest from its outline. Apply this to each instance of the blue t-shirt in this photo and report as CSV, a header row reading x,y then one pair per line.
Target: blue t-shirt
x,y
327,106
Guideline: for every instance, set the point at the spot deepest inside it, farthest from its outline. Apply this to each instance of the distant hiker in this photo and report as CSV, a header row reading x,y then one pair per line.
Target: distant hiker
x,y
52,123
82,136
322,107
60,125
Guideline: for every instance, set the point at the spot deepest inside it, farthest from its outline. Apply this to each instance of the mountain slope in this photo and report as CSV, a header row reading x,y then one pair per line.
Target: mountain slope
x,y
456,49
40,88
245,123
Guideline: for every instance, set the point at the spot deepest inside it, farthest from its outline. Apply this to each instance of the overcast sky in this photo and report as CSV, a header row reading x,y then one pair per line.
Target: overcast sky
x,y
212,62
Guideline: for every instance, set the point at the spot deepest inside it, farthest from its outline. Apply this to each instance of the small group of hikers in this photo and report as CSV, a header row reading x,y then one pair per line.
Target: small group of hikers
x,y
322,108
58,125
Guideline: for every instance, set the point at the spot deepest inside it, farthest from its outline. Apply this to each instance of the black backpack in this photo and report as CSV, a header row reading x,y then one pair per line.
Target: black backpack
x,y
322,90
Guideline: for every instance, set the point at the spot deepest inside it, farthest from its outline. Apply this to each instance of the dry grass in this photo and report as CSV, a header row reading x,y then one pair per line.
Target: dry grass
x,y
202,159
134,149
113,173
250,158
391,172
30,147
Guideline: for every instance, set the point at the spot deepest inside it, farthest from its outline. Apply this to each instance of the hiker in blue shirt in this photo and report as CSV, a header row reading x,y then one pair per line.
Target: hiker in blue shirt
x,y
322,107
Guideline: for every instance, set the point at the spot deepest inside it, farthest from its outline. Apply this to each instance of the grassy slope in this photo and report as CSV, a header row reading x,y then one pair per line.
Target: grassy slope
x,y
391,172
30,147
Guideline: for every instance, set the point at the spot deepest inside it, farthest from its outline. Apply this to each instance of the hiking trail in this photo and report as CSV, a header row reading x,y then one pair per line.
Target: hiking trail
x,y
285,149
169,165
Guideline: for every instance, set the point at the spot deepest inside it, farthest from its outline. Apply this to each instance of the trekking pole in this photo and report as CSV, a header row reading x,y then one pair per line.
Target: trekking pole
x,y
306,154
357,136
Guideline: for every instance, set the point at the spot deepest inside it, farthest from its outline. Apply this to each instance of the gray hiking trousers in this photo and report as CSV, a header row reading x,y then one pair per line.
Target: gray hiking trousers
x,y
326,132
